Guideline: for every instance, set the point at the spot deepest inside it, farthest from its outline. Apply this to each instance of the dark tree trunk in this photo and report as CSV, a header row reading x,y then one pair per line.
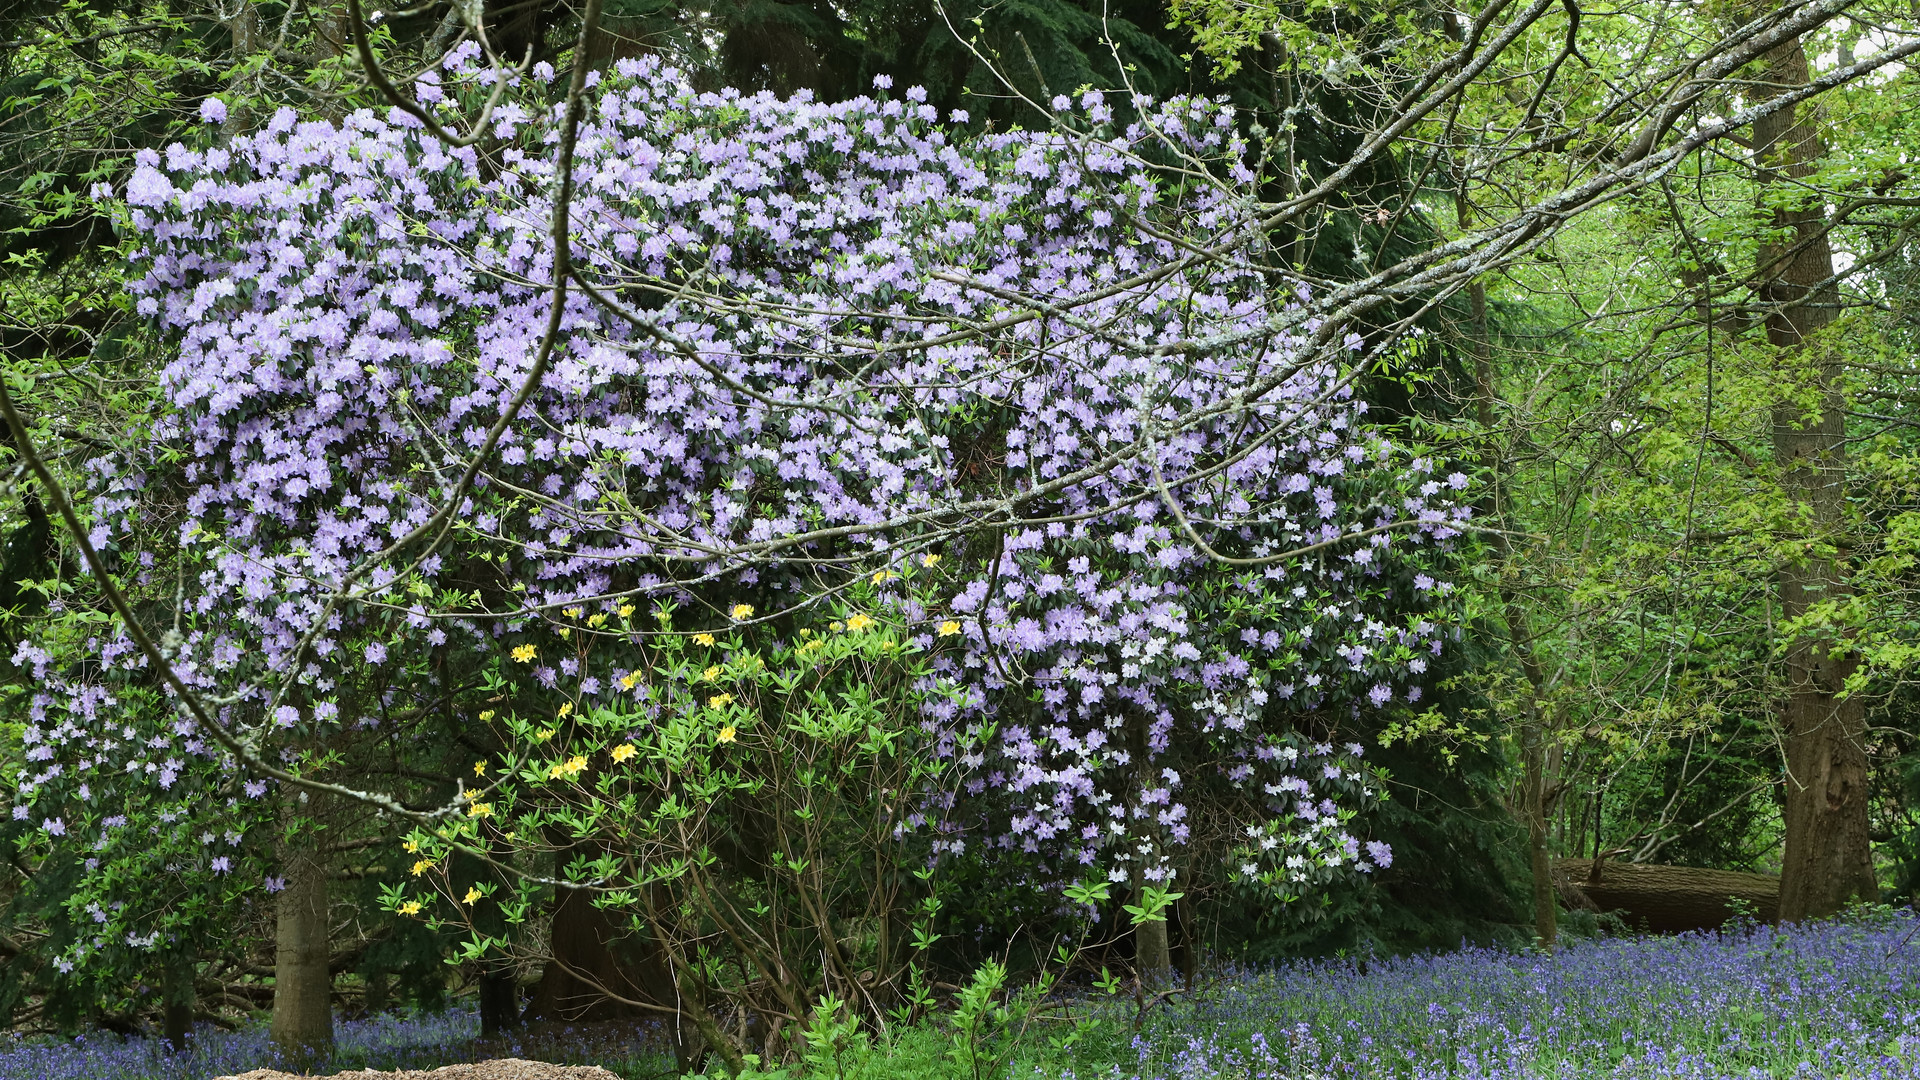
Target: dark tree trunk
x,y
498,975
177,999
379,985
599,973
1828,859
499,1003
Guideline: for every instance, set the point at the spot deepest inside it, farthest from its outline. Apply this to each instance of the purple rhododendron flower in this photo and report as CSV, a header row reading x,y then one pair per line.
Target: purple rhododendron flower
x,y
312,414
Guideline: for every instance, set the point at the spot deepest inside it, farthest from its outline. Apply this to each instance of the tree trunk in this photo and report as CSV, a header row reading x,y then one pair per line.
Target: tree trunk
x,y
1188,944
499,976
1828,859
1533,803
499,1002
379,986
1152,950
1670,899
302,1024
600,973
1533,733
245,28
177,999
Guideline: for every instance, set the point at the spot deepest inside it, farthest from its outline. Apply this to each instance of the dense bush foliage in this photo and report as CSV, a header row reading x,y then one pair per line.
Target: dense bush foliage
x,y
789,378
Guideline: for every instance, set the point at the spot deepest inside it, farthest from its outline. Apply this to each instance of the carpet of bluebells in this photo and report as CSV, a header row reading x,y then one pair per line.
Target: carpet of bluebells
x,y
1825,1002
1821,1002
423,1041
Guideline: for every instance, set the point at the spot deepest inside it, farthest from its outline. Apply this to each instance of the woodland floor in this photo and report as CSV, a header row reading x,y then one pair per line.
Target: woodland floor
x,y
499,1069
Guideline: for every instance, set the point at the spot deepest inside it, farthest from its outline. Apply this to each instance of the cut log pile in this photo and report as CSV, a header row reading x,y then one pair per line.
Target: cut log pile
x,y
1666,899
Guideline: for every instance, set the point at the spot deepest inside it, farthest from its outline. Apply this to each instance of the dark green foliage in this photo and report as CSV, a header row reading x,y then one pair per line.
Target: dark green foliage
x,y
1459,860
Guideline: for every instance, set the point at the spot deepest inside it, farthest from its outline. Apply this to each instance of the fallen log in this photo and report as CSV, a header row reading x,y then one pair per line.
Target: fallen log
x,y
1669,899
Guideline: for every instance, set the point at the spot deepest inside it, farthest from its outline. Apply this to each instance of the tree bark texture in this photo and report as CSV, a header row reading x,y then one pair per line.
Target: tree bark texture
x,y
599,973
302,1025
1533,734
245,28
1670,899
498,975
1828,858
1152,949
1533,802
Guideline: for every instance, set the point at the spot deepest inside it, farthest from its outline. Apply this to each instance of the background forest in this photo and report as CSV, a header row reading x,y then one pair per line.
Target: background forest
x,y
1621,302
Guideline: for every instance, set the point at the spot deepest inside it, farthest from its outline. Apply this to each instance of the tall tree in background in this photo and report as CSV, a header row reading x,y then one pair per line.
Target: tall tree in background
x,y
1828,860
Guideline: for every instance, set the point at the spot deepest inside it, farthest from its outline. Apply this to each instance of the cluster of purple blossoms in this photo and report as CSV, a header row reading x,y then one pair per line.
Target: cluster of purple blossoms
x,y
804,343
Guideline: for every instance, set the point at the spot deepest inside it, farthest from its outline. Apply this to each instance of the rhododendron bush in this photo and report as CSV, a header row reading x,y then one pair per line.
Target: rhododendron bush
x,y
1039,409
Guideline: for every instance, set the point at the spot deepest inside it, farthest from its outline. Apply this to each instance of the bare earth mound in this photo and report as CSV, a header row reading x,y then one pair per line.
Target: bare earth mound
x,y
500,1069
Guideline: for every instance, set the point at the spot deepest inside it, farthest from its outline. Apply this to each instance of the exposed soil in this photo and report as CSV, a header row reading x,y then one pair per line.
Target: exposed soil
x,y
498,1069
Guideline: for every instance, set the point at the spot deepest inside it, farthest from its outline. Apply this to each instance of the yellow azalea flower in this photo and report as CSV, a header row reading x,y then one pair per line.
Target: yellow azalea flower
x,y
804,632
858,622
524,653
624,751
743,611
422,867
566,709
882,575
480,809
727,733
411,845
473,893
479,768
836,626
627,681
929,561
572,613
411,907
486,715
543,735
564,632
949,628
710,674
571,767
719,701
596,619
626,610
703,639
